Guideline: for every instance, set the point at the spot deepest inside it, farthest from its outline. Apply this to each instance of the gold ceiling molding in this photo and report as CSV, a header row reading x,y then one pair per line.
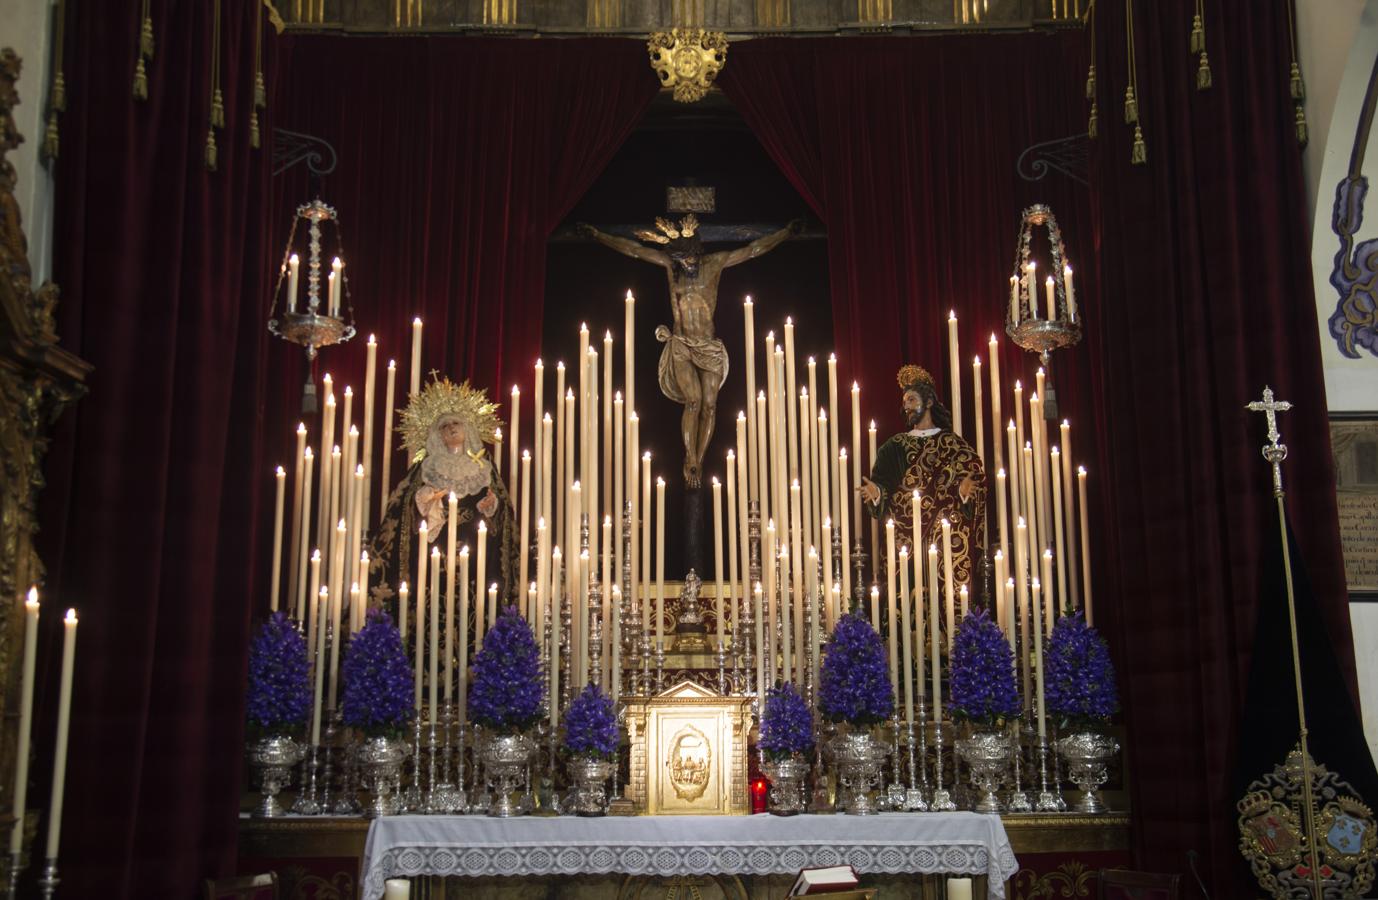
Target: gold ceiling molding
x,y
687,60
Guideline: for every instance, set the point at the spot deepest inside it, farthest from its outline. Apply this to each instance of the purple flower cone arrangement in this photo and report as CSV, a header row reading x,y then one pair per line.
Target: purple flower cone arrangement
x,y
591,725
854,678
786,724
378,694
279,697
982,672
505,691
1080,688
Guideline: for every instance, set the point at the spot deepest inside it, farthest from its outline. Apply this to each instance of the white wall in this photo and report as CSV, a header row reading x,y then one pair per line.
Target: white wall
x,y
1338,42
26,30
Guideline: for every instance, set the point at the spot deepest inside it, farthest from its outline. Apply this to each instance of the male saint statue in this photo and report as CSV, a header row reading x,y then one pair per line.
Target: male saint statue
x,y
946,471
693,365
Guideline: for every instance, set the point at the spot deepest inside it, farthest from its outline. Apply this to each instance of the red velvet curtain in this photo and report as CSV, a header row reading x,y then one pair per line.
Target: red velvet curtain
x,y
1208,297
457,157
906,150
156,479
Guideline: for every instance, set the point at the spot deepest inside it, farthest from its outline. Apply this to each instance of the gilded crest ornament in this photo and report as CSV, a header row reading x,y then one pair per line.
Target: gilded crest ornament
x,y
1275,840
687,60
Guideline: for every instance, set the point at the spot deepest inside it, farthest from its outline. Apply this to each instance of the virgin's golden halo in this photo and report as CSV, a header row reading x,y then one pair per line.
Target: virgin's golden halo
x,y
911,374
442,397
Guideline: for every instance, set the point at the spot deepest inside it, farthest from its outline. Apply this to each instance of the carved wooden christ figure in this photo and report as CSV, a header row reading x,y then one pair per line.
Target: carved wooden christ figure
x,y
693,365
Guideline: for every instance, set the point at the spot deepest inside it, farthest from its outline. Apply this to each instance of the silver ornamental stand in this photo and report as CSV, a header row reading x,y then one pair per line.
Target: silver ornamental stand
x,y
1019,799
942,798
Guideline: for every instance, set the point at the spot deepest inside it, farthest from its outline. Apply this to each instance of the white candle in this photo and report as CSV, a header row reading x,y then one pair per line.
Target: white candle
x,y
949,589
1014,300
823,467
629,367
827,544
846,536
1059,544
370,396
21,751
957,889
434,672
606,480
645,525
323,518
875,524
492,603
797,577
59,747
524,519
419,638
995,417
791,419
397,889
1085,542
547,474
717,557
1002,512
415,384
1038,660
322,607
908,666
388,437
812,598
1069,510
1021,574
616,664
480,579
856,469
759,611
293,276
836,501
538,438
962,599
934,618
660,560
305,601
582,619
295,560
1071,293
279,501
1049,612
892,602
515,433
768,556
977,404
738,559
332,301
497,455
954,373
916,518
1031,288
554,650
606,580
875,603
403,606
561,485
1052,305
451,536
749,332
758,459
336,599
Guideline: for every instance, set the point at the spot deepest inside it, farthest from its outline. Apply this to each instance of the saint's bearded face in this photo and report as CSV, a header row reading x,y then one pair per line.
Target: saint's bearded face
x,y
914,408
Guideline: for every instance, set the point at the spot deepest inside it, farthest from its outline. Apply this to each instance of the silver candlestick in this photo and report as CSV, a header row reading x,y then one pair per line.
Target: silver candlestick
x,y
913,798
412,798
47,882
942,798
660,666
923,744
722,668
595,648
858,575
307,804
1047,800
1019,798
1057,774
645,690
328,748
894,793
16,869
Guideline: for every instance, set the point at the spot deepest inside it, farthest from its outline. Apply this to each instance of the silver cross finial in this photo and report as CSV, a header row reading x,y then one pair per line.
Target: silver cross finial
x,y
1274,451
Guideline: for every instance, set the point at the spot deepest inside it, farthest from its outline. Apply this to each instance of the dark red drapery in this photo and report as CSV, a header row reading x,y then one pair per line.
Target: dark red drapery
x,y
1198,293
456,158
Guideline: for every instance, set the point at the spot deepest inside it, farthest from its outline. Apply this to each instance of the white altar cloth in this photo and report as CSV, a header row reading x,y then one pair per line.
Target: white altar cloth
x,y
961,843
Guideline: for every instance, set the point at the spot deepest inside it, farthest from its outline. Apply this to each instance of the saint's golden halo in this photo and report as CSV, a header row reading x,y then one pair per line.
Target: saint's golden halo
x,y
442,397
910,375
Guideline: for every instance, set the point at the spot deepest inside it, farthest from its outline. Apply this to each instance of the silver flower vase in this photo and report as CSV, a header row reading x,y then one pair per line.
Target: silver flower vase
x,y
1086,753
273,758
859,758
786,784
380,762
987,753
590,777
505,757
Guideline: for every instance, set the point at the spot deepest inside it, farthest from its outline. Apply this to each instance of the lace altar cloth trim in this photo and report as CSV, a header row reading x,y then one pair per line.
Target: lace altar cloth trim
x,y
890,843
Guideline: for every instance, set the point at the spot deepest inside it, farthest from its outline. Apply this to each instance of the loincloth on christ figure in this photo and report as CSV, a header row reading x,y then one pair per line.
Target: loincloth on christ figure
x,y
704,354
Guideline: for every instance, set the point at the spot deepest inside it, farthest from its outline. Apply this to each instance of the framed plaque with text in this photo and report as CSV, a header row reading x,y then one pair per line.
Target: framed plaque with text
x,y
1354,439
